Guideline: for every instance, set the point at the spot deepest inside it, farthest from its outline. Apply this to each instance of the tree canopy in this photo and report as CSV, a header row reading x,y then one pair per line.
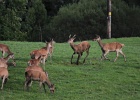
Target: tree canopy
x,y
40,20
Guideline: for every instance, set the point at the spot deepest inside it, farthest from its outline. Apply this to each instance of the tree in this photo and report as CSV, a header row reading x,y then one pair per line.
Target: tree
x,y
10,21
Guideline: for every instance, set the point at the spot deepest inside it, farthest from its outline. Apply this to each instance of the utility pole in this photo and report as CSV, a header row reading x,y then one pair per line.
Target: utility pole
x,y
109,18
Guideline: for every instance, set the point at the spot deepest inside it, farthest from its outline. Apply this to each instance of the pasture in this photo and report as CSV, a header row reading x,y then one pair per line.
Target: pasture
x,y
94,80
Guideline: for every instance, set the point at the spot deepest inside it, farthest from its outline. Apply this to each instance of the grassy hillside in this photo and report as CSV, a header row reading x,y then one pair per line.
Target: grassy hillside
x,y
94,80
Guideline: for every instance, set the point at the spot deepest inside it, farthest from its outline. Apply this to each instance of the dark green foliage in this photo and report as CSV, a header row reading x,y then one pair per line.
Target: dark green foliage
x,y
125,20
88,17
40,20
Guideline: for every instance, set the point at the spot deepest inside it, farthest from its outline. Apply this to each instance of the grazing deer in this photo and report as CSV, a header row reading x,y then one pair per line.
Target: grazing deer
x,y
79,48
3,75
5,49
41,76
110,47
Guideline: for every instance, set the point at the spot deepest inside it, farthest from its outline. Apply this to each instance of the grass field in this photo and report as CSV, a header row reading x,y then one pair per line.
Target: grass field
x,y
94,80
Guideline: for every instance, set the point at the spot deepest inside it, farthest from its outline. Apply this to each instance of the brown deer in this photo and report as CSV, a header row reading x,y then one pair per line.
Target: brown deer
x,y
4,64
33,62
51,48
110,47
79,48
41,52
34,67
3,75
41,76
4,61
5,49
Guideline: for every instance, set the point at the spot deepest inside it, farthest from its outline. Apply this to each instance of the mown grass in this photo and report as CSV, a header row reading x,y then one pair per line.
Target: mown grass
x,y
94,80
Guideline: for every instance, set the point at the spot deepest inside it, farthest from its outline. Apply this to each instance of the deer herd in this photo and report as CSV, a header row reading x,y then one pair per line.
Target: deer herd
x,y
34,71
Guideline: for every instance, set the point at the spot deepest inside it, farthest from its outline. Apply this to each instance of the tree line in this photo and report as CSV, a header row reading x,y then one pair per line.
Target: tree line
x,y
40,20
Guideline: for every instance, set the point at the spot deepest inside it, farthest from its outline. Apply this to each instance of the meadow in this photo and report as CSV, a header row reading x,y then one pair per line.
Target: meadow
x,y
93,80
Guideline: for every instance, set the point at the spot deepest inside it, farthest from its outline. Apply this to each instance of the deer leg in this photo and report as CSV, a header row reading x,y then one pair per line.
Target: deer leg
x,y
79,55
103,52
104,55
44,62
30,83
86,56
40,85
72,57
44,87
117,54
123,55
26,85
3,79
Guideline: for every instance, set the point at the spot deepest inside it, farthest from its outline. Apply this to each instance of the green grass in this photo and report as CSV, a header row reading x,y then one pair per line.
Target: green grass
x,y
94,80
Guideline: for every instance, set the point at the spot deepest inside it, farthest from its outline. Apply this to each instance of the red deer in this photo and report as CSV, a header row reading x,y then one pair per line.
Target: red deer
x,y
4,61
5,49
34,61
34,67
51,48
41,76
79,48
3,68
110,47
41,52
3,75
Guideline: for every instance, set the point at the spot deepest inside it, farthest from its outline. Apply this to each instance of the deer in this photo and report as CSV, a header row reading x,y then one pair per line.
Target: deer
x,y
4,61
110,47
84,46
51,48
41,52
5,49
41,76
34,67
3,75
32,62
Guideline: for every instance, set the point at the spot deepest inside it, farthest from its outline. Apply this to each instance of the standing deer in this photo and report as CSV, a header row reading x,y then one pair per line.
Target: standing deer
x,y
79,48
41,52
5,49
32,62
110,47
3,75
51,48
4,61
3,68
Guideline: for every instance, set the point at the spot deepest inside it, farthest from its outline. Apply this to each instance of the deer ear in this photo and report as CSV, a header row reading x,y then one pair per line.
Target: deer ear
x,y
74,35
70,36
